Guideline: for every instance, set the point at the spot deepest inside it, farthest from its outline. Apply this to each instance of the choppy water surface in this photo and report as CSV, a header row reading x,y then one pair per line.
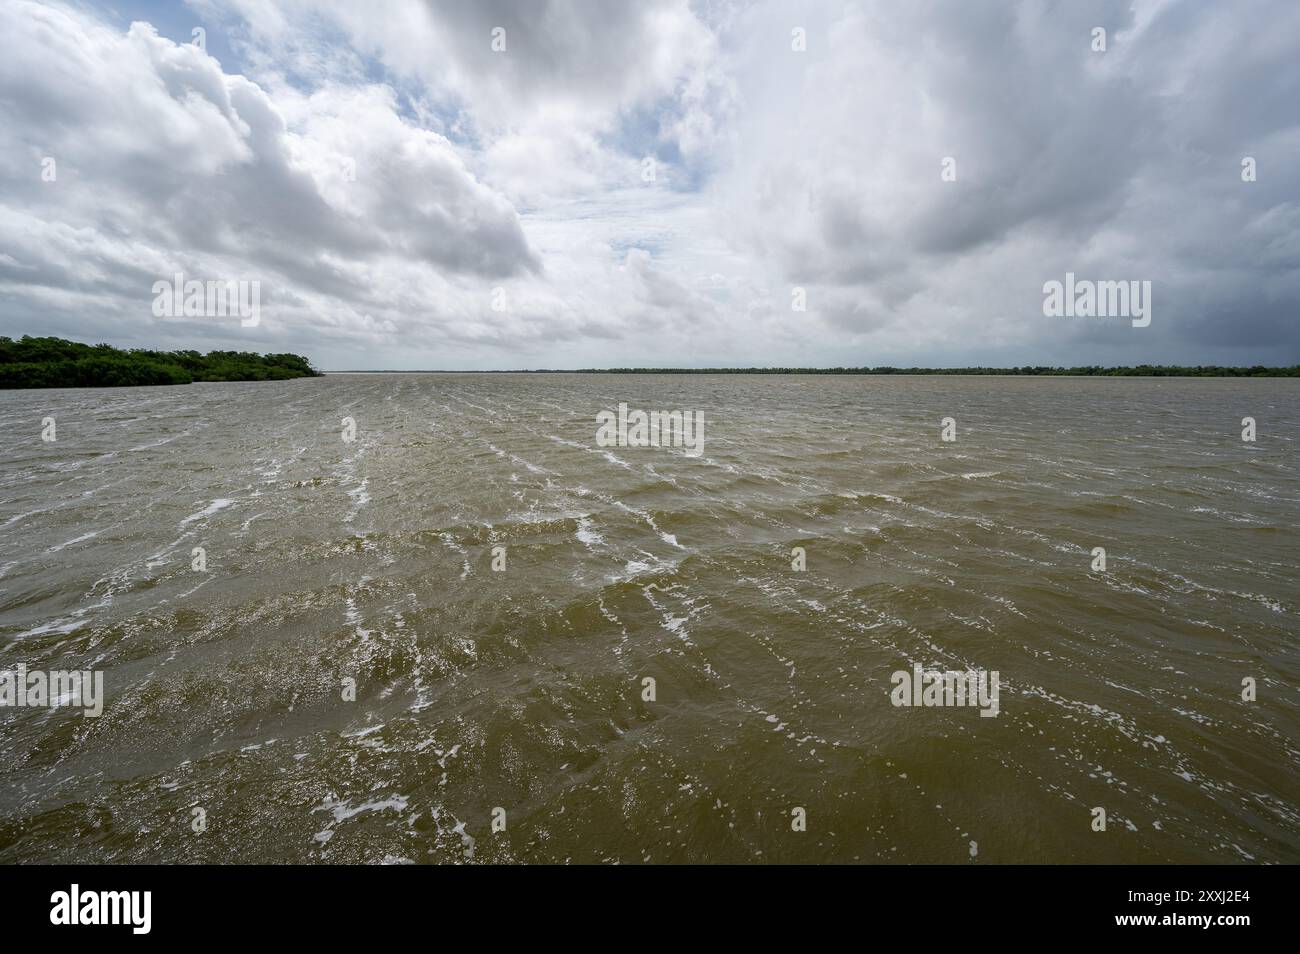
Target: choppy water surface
x,y
522,689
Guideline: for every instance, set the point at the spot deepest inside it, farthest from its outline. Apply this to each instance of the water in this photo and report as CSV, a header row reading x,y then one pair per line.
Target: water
x,y
371,560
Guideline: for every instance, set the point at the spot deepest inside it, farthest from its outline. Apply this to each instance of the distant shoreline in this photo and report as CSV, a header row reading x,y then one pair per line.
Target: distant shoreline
x,y
1138,371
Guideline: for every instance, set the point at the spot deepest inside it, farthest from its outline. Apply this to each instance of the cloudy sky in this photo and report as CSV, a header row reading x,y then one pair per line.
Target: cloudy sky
x,y
648,183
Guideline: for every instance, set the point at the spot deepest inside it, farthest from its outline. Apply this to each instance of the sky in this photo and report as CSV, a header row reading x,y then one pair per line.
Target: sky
x,y
482,184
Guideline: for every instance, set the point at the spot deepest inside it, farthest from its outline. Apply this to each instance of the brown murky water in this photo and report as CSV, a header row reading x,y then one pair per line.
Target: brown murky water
x,y
371,560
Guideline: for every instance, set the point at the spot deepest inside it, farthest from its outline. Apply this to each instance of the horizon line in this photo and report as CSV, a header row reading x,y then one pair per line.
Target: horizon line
x,y
1141,370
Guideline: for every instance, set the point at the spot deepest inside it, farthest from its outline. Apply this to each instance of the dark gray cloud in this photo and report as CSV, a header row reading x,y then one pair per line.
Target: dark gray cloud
x,y
1122,164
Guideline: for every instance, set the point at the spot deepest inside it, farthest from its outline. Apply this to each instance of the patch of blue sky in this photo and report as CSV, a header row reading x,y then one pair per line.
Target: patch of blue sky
x,y
640,133
176,22
620,247
323,56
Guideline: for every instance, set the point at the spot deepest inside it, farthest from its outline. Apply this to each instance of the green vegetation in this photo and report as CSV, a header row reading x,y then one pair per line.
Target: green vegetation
x,y
56,363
